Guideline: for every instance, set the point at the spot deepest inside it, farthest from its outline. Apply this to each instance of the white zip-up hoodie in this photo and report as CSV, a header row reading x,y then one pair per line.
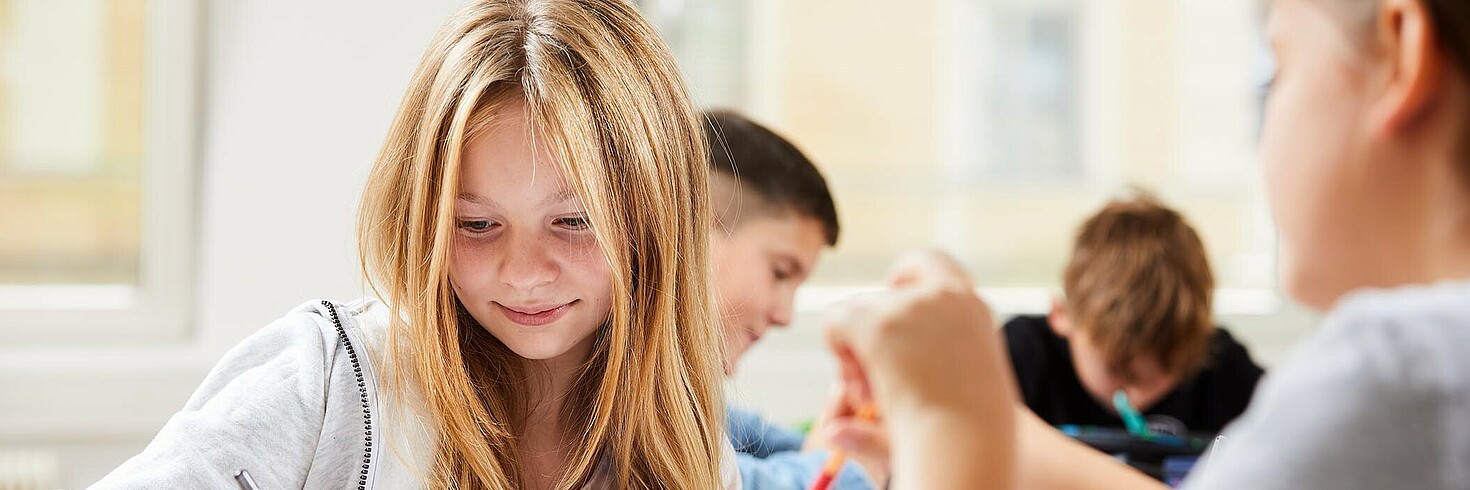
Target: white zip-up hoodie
x,y
299,405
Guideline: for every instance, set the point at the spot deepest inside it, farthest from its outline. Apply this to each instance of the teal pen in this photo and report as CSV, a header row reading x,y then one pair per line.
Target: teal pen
x,y
1131,418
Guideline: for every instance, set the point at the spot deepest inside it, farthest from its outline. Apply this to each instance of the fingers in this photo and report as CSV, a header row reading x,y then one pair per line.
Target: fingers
x,y
841,401
845,330
900,345
902,351
928,268
865,441
855,330
858,437
833,408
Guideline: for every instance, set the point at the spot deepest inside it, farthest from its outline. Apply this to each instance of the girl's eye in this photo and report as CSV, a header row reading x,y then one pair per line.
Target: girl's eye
x,y
574,222
475,225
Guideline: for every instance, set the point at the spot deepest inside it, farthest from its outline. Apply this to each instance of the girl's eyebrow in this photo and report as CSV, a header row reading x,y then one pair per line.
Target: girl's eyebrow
x,y
477,199
561,196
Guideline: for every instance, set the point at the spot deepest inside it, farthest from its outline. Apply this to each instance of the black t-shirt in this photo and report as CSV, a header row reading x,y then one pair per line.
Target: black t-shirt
x,y
1205,403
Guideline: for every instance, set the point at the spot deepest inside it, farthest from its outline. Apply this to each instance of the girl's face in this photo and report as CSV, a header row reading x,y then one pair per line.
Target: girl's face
x,y
525,261
1318,154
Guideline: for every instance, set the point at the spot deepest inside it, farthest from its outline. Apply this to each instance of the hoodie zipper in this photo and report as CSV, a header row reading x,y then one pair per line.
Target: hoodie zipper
x,y
367,414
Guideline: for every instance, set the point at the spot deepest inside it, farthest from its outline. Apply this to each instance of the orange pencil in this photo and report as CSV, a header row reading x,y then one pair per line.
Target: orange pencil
x,y
834,462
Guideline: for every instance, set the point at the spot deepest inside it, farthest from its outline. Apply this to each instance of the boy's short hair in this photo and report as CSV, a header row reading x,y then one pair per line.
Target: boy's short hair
x,y
770,173
1139,284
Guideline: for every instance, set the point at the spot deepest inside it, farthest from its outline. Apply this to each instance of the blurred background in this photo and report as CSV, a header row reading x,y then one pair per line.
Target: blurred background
x,y
175,174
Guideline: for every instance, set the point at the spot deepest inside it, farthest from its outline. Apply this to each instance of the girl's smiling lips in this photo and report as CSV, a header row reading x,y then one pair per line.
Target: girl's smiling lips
x,y
535,315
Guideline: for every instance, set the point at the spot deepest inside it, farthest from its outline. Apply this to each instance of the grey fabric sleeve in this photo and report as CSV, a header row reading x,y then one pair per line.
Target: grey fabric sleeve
x,y
260,409
1355,408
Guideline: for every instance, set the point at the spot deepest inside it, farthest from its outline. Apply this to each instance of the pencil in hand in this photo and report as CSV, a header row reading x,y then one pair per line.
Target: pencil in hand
x,y
835,461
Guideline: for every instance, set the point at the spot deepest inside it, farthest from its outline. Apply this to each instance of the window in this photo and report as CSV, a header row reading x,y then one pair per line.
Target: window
x,y
1032,108
1079,100
709,40
993,127
96,143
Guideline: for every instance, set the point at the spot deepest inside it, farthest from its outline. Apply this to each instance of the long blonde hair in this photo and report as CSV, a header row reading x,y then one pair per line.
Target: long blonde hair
x,y
605,97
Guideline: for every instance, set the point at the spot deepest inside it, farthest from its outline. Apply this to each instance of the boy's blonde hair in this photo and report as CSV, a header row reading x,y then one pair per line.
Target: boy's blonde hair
x,y
605,97
1139,284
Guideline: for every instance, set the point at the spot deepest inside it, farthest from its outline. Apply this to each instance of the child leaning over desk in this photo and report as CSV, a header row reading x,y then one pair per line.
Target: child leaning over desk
x,y
1137,318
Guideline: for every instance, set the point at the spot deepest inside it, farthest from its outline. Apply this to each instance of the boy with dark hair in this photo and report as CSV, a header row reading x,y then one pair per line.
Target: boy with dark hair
x,y
773,217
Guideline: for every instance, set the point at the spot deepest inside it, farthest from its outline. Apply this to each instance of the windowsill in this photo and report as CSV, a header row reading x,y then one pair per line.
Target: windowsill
x,y
1232,302
59,393
68,297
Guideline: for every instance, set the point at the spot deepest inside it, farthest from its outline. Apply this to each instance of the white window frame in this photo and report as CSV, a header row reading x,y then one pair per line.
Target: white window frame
x,y
962,65
158,307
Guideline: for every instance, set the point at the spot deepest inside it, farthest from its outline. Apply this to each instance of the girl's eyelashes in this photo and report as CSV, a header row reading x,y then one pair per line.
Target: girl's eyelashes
x,y
576,223
475,225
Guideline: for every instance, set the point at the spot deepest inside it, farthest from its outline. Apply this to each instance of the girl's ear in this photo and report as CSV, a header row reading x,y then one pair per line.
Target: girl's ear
x,y
1416,64
1058,319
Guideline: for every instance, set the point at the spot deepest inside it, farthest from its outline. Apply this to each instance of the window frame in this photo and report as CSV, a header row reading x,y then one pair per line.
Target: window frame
x,y
963,25
158,306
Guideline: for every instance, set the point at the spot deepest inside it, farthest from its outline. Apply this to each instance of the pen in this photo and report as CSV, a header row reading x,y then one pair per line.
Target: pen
x,y
246,482
1131,418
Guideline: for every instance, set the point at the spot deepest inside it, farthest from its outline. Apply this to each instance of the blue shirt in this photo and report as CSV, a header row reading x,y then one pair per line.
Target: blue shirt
x,y
770,457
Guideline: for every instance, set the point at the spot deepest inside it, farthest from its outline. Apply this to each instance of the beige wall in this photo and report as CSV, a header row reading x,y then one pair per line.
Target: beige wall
x,y
1165,95
858,89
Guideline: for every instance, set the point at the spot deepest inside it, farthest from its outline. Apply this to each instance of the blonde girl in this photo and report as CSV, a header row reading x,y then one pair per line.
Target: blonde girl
x,y
536,229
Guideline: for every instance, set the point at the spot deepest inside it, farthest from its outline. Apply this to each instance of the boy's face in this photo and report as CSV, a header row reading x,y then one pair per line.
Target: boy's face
x,y
758,267
1153,383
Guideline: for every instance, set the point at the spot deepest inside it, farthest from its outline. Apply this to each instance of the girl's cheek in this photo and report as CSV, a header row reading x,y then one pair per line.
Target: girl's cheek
x,y
583,249
471,257
584,242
